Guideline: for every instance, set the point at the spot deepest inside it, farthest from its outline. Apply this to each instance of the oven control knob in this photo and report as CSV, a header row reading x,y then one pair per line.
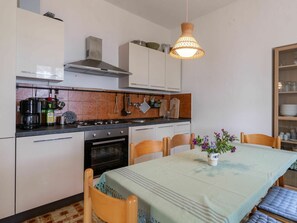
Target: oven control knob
x,y
122,132
94,135
108,133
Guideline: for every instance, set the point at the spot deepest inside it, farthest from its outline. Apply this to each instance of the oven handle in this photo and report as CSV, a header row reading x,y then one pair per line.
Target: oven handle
x,y
108,141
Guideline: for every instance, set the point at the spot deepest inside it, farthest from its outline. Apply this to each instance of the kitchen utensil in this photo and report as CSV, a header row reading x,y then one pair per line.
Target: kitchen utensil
x,y
144,107
60,104
116,110
153,45
139,42
69,117
125,110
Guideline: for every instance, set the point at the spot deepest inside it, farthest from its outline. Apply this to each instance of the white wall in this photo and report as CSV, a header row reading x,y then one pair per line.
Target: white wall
x,y
231,85
101,19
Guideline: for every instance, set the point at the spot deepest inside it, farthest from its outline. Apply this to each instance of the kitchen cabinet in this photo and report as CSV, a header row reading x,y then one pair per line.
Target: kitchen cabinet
x,y
157,132
156,69
285,92
173,74
134,58
164,130
151,69
48,168
7,108
40,46
182,128
7,170
140,133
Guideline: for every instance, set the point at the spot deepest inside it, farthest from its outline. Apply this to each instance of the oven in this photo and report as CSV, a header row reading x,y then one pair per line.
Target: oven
x,y
106,149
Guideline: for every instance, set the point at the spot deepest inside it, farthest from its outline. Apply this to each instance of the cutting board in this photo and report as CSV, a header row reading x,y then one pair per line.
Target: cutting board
x,y
163,108
174,108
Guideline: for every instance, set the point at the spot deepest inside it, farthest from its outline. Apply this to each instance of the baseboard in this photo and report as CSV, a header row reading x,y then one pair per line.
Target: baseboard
x,y
42,209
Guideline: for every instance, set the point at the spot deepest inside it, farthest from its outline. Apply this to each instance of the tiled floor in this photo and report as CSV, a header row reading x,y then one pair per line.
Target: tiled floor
x,y
69,214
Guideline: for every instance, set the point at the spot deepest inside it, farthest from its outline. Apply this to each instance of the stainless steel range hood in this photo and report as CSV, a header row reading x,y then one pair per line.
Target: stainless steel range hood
x,y
93,63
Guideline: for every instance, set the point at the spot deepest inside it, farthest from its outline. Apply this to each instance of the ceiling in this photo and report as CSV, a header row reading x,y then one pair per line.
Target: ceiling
x,y
169,13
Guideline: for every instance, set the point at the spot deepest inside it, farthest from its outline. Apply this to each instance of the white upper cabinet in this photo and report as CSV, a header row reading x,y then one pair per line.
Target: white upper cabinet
x,y
156,69
173,74
40,46
134,58
151,69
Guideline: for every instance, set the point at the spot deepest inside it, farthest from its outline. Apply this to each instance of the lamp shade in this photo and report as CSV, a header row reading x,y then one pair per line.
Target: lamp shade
x,y
186,47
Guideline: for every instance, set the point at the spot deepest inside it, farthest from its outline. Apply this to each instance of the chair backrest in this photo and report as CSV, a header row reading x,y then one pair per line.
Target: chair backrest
x,y
146,147
107,208
265,140
261,139
179,140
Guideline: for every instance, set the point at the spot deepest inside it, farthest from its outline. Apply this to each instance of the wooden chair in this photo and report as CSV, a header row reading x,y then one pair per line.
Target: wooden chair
x,y
265,140
146,147
261,139
179,140
107,208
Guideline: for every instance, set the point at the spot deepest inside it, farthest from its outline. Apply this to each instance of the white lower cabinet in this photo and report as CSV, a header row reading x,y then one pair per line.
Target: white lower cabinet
x,y
157,132
164,130
182,128
48,168
7,171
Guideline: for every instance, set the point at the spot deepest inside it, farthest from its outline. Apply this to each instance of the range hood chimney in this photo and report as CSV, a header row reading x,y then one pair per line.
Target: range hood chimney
x,y
93,63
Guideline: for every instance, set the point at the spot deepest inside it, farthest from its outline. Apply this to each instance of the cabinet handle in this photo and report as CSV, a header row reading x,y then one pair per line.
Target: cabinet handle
x,y
174,88
165,126
54,139
182,124
143,129
108,141
139,84
27,72
157,86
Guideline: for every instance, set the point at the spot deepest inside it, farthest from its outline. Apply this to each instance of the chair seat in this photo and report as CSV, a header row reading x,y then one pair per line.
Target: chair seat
x,y
259,217
282,202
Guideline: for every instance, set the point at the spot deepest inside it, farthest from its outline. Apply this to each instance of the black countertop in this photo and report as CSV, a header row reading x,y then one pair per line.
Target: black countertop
x,y
44,130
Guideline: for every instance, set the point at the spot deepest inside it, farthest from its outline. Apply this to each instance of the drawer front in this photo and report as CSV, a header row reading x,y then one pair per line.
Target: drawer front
x,y
182,128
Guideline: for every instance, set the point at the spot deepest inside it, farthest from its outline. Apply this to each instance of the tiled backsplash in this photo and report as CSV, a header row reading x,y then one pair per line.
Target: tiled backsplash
x,y
90,105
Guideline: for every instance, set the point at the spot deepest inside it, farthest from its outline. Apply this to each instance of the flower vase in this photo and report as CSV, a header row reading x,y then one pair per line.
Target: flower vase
x,y
213,159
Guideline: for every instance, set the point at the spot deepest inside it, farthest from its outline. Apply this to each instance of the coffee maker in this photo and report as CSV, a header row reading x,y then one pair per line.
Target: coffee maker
x,y
30,113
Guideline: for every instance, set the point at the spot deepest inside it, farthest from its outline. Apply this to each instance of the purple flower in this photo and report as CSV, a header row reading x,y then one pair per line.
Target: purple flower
x,y
233,149
195,141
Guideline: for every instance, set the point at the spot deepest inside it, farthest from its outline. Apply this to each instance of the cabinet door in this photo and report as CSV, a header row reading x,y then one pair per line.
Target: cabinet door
x,y
7,69
156,69
140,133
138,66
173,74
164,130
40,46
182,128
48,168
7,171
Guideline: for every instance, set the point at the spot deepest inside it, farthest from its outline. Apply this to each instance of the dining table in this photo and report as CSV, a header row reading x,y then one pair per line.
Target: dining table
x,y
183,188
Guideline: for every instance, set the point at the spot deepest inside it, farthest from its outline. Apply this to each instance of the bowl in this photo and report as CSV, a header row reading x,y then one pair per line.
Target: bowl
x,y
139,42
288,109
153,45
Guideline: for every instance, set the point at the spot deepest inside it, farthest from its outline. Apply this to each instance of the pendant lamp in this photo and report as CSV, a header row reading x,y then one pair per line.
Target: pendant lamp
x,y
186,47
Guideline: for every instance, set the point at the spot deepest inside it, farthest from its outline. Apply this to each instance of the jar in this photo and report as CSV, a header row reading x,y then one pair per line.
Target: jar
x,y
294,86
287,86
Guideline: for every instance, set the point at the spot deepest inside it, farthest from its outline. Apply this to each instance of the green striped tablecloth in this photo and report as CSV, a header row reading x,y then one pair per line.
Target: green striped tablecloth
x,y
184,188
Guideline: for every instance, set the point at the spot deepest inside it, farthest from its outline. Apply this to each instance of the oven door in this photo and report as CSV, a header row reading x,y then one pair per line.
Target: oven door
x,y
106,154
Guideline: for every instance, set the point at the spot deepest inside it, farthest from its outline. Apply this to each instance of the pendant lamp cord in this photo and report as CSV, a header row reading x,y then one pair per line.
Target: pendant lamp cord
x,y
187,8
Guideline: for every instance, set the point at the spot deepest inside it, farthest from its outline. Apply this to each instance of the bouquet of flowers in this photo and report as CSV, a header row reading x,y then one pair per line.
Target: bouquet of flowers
x,y
221,144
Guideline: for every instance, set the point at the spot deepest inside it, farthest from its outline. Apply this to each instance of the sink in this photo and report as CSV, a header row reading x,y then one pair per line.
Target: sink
x,y
138,121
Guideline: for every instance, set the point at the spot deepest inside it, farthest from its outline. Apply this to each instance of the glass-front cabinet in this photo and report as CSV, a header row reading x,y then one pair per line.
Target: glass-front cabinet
x,y
285,102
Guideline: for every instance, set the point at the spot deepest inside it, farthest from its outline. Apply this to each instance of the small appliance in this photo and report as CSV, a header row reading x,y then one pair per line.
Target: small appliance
x,y
30,113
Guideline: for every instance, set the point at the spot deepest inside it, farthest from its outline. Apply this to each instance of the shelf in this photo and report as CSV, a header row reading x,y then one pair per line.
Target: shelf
x,y
287,118
288,67
288,92
289,142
